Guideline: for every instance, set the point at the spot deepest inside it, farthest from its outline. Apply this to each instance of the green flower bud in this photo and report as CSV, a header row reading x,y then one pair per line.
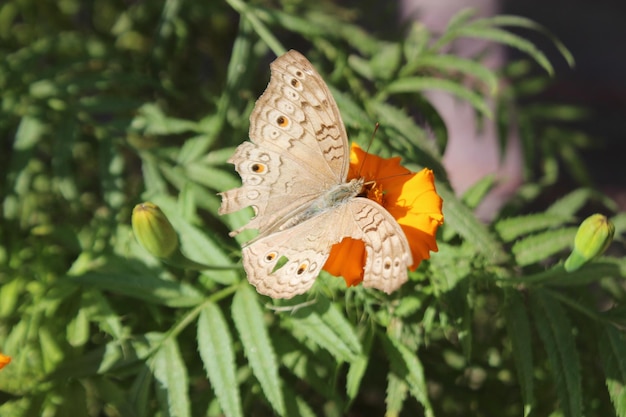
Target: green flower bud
x,y
154,231
594,235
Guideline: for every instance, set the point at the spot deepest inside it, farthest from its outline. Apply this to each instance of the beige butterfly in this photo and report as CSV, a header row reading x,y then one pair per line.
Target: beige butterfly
x,y
294,176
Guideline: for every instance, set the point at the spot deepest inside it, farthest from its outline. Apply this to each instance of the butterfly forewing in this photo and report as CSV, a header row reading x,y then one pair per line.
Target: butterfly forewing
x,y
297,114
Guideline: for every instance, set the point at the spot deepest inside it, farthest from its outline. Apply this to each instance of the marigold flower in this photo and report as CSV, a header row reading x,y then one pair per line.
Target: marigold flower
x,y
4,360
409,197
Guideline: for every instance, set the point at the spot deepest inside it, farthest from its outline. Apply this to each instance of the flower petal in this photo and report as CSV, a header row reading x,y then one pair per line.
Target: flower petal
x,y
4,360
346,260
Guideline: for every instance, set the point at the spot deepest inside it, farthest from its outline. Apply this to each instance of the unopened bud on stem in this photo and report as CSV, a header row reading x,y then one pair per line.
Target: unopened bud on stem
x,y
593,237
154,231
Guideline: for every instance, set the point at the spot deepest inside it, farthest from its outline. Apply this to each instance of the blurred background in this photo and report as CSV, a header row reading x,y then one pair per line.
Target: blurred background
x,y
595,33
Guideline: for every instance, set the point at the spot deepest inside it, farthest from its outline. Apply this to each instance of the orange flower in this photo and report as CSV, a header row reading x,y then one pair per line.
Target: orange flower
x,y
409,197
4,360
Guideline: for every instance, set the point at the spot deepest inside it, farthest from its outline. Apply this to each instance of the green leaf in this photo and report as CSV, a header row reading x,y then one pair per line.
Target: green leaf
x,y
144,287
395,394
323,324
248,318
453,63
612,348
477,192
409,139
295,404
461,219
541,246
29,133
139,393
115,396
216,350
568,205
415,41
315,366
385,63
406,365
507,38
518,21
171,374
200,247
152,119
423,84
357,368
216,179
78,328
514,227
556,333
251,17
518,329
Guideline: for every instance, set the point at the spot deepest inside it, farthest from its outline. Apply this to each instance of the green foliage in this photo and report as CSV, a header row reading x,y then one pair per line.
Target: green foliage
x,y
107,104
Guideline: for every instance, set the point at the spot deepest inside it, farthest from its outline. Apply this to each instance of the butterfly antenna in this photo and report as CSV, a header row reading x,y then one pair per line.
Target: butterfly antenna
x,y
369,145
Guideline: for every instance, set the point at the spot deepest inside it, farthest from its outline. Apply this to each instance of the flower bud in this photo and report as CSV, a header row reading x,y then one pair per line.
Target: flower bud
x,y
4,360
594,235
153,230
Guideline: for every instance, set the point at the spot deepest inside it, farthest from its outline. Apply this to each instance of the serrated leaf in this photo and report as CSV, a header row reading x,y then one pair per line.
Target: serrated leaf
x,y
518,330
217,179
200,247
144,287
355,375
612,348
114,396
465,66
415,41
152,119
518,21
171,374
385,63
248,318
556,333
295,404
216,352
406,365
507,38
357,368
568,205
324,325
139,393
538,247
477,192
423,84
512,228
395,394
313,366
461,219
194,149
413,138
351,113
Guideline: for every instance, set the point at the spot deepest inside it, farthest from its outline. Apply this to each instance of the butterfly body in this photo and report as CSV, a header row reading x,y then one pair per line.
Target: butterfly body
x,y
294,175
335,196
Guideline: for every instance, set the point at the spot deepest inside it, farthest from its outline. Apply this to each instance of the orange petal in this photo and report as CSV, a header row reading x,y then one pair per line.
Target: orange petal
x,y
4,360
346,260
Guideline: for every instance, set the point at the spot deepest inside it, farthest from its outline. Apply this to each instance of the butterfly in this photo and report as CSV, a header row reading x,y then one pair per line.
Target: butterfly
x,y
294,175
